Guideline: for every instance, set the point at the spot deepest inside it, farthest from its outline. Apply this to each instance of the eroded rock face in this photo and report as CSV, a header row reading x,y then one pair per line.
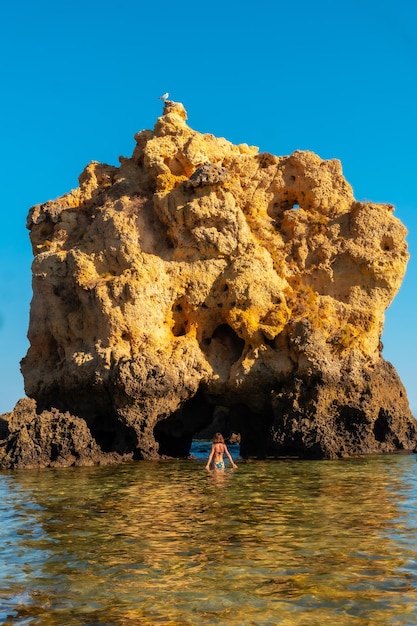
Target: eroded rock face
x,y
199,277
48,439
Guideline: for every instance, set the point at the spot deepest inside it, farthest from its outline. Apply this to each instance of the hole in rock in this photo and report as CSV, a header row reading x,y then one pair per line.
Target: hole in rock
x,y
221,422
277,208
104,438
381,427
224,348
179,328
199,419
267,341
111,435
387,243
239,424
55,451
175,433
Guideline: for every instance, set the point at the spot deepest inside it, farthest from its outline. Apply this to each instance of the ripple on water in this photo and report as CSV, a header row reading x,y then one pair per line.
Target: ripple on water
x,y
287,543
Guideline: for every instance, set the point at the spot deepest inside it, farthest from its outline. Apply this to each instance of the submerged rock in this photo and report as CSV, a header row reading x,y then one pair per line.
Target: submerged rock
x,y
202,278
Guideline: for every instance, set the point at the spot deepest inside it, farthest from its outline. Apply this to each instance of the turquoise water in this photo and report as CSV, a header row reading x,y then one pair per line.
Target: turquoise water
x,y
278,542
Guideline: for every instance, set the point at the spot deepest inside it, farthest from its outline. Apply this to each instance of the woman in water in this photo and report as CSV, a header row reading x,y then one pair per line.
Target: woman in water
x,y
219,448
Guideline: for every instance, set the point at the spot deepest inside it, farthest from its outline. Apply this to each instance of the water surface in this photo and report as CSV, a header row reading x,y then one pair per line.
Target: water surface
x,y
288,542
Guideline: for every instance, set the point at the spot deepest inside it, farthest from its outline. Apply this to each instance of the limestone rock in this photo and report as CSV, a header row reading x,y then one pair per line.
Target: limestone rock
x,y
201,276
48,439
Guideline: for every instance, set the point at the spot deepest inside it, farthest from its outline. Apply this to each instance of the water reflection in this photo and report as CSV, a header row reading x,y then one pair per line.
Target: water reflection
x,y
286,543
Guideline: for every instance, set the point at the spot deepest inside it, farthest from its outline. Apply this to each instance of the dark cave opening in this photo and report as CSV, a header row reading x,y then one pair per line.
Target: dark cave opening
x,y
175,433
201,417
112,436
104,438
381,426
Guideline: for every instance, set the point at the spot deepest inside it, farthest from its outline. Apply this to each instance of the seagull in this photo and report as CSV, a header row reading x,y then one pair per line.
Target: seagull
x,y
164,97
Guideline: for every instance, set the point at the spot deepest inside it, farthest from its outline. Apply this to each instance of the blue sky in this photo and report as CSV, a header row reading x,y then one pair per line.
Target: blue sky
x,y
79,79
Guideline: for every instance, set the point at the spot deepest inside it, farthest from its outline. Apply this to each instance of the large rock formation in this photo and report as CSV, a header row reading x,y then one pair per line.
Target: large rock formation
x,y
202,278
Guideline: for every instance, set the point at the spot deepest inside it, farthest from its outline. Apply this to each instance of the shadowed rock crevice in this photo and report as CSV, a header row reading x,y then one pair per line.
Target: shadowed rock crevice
x,y
180,318
222,349
201,283
175,433
381,426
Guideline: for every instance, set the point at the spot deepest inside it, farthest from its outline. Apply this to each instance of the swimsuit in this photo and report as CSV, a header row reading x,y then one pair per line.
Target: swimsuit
x,y
219,465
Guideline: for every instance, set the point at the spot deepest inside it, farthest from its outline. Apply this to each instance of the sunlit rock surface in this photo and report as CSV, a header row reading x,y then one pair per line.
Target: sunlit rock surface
x,y
200,278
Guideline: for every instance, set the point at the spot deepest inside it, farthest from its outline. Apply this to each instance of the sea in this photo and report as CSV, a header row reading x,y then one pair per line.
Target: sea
x,y
283,542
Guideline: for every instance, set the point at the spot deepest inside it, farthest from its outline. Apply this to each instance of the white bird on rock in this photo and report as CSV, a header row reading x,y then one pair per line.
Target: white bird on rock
x,y
164,97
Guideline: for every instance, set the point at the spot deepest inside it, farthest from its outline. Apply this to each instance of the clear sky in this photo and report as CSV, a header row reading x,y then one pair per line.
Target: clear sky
x,y
79,79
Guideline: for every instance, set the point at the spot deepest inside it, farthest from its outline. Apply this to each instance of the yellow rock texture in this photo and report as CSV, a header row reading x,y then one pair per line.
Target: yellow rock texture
x,y
200,274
